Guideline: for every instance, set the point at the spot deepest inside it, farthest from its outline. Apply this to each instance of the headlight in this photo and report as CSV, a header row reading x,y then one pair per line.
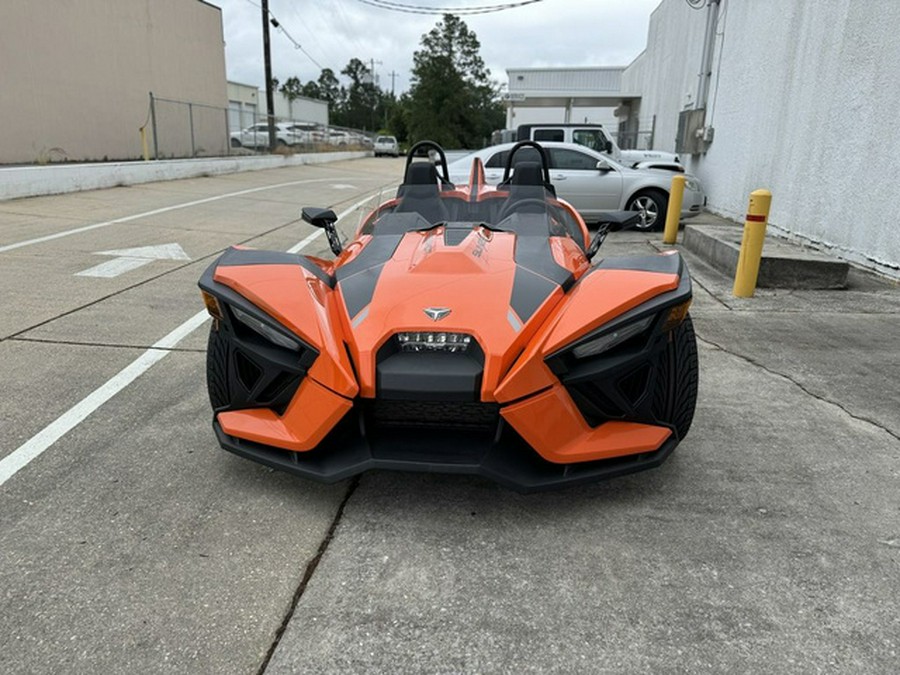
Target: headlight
x,y
613,338
433,342
692,184
261,328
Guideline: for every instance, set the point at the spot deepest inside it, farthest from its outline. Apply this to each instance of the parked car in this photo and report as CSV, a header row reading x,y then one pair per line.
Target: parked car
x,y
340,137
386,145
257,136
595,137
594,183
308,132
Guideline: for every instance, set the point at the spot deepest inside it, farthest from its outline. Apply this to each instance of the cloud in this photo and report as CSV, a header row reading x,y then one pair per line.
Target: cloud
x,y
552,33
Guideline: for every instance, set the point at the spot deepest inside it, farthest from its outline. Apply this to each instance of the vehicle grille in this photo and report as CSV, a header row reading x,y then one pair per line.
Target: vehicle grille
x,y
452,415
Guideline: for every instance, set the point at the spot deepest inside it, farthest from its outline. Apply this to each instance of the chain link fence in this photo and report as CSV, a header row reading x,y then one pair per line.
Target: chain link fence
x,y
182,129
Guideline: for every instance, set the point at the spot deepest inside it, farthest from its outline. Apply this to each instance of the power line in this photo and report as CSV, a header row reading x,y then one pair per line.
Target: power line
x,y
281,29
420,9
297,45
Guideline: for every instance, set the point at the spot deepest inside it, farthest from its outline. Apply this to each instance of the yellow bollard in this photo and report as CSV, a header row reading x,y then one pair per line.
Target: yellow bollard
x,y
144,146
673,213
752,243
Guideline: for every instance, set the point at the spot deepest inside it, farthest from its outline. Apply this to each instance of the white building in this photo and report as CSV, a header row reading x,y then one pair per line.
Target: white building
x,y
798,99
795,99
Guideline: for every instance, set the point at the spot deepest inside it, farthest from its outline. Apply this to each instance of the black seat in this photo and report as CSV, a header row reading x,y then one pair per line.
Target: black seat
x,y
528,173
527,190
420,193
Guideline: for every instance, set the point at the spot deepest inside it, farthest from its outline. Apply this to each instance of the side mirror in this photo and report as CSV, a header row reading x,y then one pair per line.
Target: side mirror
x,y
597,241
324,218
318,217
620,220
608,146
603,165
612,221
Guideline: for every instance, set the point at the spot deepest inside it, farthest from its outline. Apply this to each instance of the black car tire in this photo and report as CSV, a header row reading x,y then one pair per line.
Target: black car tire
x,y
235,143
675,397
217,369
659,201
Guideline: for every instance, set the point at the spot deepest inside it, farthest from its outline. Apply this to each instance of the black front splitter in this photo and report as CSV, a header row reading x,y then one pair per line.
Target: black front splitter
x,y
513,465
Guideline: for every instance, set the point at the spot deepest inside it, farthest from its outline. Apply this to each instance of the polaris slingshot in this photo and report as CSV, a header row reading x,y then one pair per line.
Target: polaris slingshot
x,y
464,329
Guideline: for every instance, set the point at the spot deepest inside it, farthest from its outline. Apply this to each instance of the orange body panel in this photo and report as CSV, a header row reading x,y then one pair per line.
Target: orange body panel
x,y
552,425
475,279
595,300
312,413
301,302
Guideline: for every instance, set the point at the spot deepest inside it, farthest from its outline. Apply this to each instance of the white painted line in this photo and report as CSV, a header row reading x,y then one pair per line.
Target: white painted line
x,y
166,209
113,268
37,444
128,259
171,251
34,446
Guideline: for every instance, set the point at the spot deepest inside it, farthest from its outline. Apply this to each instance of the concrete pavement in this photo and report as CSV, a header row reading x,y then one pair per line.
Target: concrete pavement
x,y
770,541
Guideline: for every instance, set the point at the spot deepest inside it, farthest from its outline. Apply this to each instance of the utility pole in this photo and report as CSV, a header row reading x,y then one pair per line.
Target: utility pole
x,y
372,63
270,95
394,75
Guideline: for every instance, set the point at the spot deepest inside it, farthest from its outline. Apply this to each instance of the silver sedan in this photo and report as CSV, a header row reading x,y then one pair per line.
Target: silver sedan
x,y
594,183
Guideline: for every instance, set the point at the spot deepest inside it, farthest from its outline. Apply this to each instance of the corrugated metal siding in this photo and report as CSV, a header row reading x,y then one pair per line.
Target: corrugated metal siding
x,y
567,81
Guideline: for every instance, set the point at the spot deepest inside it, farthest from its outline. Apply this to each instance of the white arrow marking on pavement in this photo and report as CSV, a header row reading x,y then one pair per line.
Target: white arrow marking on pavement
x,y
37,444
127,259
343,186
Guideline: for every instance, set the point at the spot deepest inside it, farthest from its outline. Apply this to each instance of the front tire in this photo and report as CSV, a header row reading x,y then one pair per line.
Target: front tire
x,y
653,205
217,368
675,397
235,143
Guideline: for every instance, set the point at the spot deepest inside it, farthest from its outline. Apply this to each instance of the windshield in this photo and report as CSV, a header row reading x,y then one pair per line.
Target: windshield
x,y
521,208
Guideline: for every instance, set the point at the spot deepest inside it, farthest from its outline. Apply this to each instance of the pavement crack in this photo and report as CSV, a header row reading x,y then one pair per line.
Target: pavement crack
x,y
307,575
138,284
801,386
110,345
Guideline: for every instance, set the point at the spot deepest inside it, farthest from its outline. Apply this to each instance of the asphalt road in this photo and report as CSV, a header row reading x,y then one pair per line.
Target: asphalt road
x,y
129,542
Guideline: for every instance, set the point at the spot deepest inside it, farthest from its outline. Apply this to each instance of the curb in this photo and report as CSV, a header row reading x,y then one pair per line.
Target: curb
x,y
36,181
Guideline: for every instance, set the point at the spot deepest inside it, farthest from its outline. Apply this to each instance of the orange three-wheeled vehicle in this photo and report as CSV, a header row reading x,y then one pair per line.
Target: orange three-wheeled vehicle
x,y
464,329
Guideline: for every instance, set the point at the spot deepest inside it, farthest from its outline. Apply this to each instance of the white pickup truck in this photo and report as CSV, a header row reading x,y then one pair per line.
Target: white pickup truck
x,y
595,137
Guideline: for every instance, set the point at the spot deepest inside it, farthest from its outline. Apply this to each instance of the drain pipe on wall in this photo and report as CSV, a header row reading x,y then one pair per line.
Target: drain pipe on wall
x,y
709,44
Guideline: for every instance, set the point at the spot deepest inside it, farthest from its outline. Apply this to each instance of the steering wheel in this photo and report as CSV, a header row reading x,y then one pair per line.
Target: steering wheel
x,y
511,207
421,149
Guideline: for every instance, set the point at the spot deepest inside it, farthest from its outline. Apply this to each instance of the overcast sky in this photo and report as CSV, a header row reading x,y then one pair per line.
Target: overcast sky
x,y
548,33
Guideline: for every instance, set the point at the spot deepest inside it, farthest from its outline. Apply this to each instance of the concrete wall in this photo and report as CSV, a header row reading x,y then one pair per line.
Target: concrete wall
x,y
77,74
34,181
801,100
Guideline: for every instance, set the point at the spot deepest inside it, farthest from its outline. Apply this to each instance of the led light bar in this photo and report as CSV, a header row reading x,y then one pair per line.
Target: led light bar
x,y
433,342
263,329
613,338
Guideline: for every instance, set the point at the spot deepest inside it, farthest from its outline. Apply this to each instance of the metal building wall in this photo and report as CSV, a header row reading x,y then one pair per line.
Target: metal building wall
x,y
76,75
800,100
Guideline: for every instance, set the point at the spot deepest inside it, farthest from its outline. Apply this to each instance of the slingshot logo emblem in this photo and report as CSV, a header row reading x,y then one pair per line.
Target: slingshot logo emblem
x,y
436,313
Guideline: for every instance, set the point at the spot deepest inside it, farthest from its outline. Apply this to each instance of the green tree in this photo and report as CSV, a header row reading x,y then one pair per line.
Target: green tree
x,y
327,87
292,88
361,105
452,99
